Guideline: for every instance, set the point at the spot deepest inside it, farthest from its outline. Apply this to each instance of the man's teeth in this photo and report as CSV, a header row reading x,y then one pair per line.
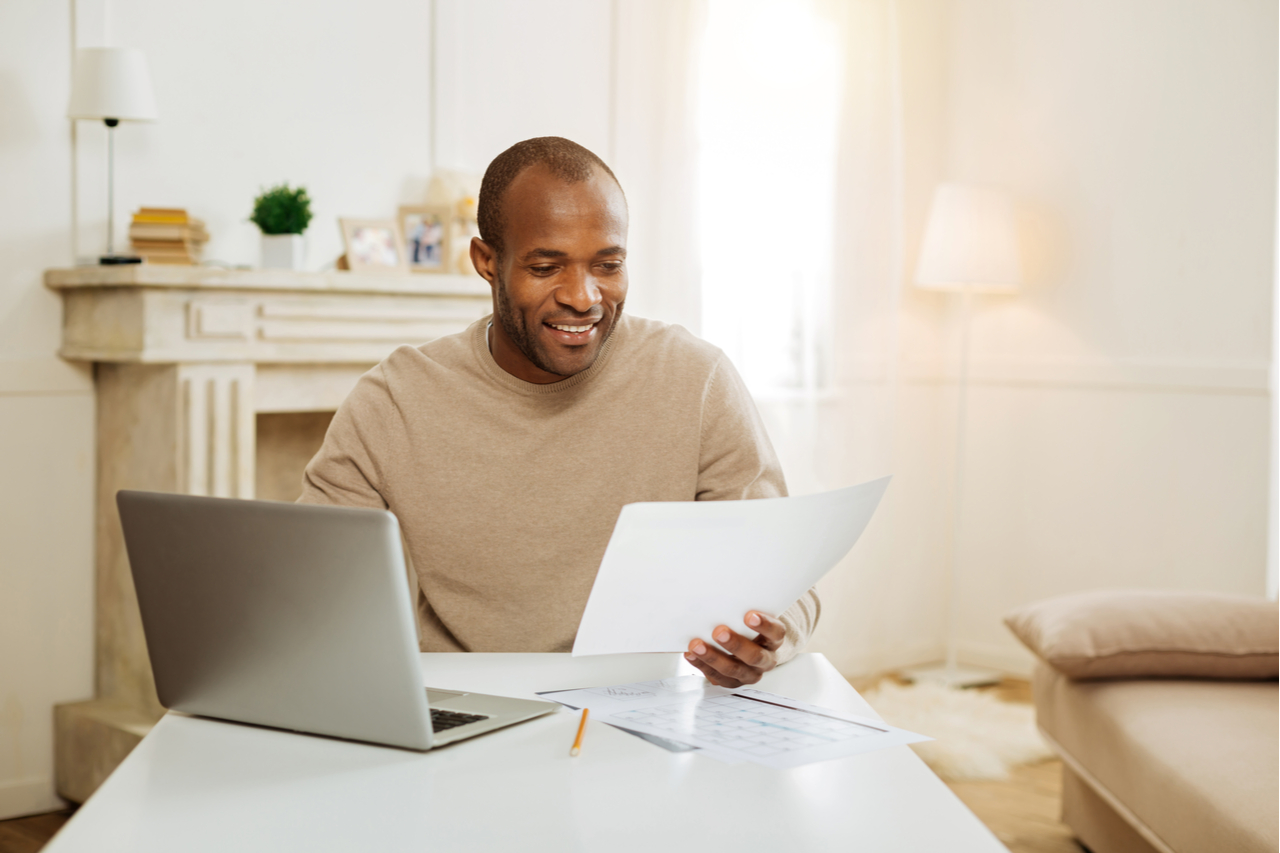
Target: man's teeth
x,y
575,329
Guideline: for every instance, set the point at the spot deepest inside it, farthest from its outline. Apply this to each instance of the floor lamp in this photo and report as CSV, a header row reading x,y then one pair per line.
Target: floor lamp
x,y
970,246
112,84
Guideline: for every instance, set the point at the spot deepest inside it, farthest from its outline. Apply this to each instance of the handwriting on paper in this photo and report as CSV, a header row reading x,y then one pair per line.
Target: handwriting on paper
x,y
678,684
625,692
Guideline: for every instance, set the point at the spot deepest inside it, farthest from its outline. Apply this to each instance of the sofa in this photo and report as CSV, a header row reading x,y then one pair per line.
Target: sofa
x,y
1163,708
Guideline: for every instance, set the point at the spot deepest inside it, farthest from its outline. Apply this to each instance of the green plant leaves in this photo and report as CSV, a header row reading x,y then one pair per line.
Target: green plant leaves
x,y
281,210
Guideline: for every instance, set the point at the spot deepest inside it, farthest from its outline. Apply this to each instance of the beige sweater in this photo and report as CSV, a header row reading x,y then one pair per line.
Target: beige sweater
x,y
507,492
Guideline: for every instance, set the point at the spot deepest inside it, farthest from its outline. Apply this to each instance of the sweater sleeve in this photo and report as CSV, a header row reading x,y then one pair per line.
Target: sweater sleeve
x,y
345,471
737,462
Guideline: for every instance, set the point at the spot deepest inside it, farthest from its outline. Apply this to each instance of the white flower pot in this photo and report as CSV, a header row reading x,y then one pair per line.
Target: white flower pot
x,y
283,252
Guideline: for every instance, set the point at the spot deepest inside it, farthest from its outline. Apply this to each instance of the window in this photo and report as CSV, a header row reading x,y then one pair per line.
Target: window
x,y
768,111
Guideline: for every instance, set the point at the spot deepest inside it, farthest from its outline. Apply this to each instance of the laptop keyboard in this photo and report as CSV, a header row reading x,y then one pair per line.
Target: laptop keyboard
x,y
441,720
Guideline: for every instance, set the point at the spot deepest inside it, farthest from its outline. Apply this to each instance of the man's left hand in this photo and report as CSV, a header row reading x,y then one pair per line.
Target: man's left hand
x,y
747,659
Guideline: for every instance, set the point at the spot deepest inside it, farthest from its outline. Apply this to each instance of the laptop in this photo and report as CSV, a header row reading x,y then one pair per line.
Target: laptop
x,y
292,616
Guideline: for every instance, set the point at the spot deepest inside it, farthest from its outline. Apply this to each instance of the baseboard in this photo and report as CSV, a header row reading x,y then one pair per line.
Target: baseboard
x,y
1011,660
29,796
1014,662
857,666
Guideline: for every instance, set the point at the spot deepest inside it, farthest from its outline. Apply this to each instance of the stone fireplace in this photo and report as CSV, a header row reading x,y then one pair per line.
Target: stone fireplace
x,y
220,383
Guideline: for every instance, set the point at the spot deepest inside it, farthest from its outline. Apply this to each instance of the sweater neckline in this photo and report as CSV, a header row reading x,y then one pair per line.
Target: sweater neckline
x,y
480,346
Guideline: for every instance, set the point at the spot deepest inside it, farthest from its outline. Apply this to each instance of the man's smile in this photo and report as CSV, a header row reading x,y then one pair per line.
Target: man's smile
x,y
572,333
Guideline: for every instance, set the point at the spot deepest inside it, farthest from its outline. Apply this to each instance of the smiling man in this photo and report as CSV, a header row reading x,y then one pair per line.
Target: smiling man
x,y
507,451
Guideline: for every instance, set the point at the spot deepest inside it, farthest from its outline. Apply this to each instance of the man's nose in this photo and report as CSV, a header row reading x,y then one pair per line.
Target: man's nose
x,y
579,291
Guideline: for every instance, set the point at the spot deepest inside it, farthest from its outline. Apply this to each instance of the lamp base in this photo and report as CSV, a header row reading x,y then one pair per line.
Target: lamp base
x,y
951,676
117,260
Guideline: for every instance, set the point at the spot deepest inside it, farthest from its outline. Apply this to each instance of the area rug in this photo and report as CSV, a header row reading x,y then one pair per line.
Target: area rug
x,y
975,735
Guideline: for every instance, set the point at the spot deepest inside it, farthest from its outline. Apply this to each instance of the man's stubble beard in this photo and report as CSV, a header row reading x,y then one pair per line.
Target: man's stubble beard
x,y
512,323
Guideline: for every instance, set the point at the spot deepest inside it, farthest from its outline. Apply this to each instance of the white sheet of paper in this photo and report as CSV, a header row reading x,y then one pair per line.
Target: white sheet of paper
x,y
675,570
599,696
735,725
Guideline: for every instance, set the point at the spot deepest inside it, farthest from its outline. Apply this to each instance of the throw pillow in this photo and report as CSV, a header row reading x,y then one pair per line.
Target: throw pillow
x,y
1134,634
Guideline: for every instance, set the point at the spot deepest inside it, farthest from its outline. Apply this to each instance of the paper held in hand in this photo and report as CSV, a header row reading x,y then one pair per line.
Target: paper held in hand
x,y
675,570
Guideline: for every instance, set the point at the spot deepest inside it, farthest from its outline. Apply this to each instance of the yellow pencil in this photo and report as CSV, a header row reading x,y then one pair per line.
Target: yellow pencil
x,y
582,728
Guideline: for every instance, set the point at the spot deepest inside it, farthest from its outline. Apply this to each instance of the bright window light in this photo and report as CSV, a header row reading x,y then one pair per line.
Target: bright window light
x,y
768,113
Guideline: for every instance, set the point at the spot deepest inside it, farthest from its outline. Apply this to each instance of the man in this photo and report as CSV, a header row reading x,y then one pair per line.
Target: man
x,y
507,451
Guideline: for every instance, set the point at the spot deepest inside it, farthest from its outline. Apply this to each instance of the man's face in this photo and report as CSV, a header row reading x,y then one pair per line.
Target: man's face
x,y
561,281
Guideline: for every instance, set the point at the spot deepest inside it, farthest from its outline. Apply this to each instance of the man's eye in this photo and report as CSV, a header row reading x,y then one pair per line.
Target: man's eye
x,y
542,270
612,266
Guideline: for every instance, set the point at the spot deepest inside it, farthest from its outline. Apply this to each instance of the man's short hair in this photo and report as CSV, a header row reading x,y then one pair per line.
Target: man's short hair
x,y
567,160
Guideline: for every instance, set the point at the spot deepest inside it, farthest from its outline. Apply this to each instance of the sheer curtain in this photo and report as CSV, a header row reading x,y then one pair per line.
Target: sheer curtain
x,y
799,217
801,188
655,152
768,114
760,144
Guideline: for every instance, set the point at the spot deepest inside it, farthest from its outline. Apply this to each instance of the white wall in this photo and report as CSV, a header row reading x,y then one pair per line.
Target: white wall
x,y
510,71
46,415
1119,425
1273,537
253,93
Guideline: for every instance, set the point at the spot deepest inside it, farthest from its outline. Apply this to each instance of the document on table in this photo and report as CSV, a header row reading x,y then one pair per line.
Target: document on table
x,y
675,570
744,724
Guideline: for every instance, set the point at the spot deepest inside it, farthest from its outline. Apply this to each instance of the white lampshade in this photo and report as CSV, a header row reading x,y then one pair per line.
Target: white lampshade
x,y
112,82
970,242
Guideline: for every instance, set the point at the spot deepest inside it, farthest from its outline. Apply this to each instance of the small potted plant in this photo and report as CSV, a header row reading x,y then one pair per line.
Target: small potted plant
x,y
282,214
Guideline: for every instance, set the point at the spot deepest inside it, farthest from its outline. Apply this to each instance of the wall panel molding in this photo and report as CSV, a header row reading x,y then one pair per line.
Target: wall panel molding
x,y
1249,378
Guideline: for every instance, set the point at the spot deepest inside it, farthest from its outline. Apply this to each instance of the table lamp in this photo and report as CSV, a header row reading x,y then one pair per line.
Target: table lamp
x,y
112,84
970,246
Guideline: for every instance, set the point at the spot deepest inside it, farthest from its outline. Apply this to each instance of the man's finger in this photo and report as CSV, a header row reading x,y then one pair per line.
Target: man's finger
x,y
771,630
712,676
745,650
722,663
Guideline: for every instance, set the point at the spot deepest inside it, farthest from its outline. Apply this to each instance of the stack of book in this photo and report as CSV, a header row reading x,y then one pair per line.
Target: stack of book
x,y
166,235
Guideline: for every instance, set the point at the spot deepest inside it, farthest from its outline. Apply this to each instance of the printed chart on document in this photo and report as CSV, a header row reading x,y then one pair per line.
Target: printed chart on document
x,y
739,723
735,725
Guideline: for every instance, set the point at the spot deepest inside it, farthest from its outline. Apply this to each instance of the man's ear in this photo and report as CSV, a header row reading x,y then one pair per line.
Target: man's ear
x,y
484,259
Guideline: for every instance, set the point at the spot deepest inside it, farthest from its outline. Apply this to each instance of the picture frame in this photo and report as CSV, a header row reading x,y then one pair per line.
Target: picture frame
x,y
374,245
428,231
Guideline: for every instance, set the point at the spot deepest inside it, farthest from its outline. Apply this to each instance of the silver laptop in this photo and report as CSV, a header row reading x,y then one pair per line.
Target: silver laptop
x,y
291,616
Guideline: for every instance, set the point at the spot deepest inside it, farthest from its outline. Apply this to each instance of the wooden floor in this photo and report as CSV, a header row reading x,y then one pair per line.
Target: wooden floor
x,y
1022,811
29,834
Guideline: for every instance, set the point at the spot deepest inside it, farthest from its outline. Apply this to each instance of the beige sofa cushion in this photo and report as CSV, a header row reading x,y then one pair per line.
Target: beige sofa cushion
x,y
1119,634
1195,762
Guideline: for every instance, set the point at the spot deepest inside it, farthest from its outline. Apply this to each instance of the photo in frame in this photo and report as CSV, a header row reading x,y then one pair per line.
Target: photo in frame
x,y
374,245
428,237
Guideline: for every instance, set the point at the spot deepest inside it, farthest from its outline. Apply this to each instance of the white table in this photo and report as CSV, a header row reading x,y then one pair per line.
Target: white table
x,y
195,784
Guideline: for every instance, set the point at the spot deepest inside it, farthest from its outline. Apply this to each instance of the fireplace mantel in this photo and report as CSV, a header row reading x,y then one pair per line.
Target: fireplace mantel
x,y
156,315
186,359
